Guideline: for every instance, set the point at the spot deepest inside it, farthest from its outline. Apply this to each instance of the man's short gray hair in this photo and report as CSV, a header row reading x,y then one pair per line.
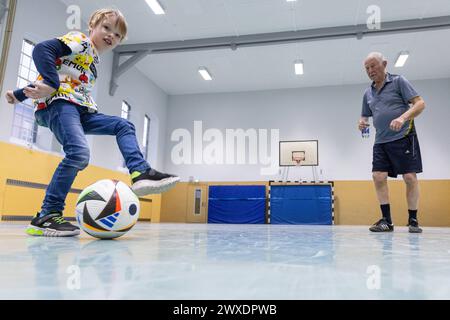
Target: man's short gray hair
x,y
377,55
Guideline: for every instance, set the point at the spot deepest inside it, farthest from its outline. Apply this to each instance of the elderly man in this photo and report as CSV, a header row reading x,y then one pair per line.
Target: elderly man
x,y
396,149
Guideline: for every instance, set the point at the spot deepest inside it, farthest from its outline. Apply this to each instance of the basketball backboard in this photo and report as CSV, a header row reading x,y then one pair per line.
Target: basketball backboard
x,y
292,150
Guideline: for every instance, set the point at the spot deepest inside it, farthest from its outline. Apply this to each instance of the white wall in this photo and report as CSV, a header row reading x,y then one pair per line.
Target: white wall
x,y
145,98
329,114
142,94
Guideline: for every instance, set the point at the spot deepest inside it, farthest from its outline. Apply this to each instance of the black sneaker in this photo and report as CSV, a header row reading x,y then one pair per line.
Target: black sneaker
x,y
413,226
52,225
152,181
382,226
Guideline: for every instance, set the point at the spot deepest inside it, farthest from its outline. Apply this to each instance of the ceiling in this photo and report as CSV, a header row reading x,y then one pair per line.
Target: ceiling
x,y
327,62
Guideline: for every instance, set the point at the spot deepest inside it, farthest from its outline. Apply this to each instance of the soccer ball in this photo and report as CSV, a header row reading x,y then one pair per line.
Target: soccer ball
x,y
107,209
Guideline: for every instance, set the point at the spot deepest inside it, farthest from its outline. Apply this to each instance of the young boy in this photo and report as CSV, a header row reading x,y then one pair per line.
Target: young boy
x,y
63,103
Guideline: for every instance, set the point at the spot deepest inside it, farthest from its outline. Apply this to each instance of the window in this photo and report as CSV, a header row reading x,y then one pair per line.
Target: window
x,y
146,136
24,125
125,114
197,201
125,110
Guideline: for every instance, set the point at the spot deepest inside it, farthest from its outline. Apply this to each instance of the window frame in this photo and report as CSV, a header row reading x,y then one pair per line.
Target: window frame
x,y
24,126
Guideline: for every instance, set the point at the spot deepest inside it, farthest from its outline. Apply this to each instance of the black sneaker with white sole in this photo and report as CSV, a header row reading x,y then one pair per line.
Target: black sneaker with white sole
x,y
152,182
413,226
382,226
52,225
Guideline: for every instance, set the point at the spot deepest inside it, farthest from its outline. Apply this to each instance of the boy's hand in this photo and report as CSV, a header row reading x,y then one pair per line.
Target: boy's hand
x,y
10,97
40,90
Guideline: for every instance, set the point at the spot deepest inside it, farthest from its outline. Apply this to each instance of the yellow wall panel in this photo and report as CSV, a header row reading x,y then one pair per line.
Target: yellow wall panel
x,y
174,204
356,202
146,211
23,164
18,200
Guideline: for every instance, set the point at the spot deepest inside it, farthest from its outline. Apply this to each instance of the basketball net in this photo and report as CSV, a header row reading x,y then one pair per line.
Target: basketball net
x,y
299,158
298,162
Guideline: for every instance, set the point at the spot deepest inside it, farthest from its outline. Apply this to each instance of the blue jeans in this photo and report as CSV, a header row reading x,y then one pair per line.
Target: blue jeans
x,y
69,123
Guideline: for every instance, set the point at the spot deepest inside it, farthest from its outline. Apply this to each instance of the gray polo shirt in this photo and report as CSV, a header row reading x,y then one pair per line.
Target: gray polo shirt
x,y
388,104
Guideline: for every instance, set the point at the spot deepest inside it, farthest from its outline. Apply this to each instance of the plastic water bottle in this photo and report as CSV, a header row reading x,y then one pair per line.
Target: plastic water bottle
x,y
365,133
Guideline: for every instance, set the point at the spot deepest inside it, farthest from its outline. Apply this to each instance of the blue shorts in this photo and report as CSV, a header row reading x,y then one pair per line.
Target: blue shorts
x,y
397,157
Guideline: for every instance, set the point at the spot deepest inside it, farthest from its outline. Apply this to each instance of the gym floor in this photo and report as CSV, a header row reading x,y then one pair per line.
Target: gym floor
x,y
213,261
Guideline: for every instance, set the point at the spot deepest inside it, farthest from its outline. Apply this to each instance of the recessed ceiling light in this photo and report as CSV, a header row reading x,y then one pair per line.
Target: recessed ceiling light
x,y
298,67
155,6
401,60
205,73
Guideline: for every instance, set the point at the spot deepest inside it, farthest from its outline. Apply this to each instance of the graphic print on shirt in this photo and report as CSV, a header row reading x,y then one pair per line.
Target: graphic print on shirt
x,y
77,73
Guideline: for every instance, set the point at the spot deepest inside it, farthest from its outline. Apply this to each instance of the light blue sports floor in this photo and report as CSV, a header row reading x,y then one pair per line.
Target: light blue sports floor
x,y
208,261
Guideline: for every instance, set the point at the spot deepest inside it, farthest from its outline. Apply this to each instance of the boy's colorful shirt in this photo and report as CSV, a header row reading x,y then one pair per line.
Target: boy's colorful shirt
x,y
77,73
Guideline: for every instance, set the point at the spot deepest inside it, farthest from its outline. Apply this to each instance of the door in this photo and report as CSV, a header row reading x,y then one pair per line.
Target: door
x,y
197,203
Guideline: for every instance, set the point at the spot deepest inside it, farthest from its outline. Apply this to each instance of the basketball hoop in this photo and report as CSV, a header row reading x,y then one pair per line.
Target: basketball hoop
x,y
298,157
293,154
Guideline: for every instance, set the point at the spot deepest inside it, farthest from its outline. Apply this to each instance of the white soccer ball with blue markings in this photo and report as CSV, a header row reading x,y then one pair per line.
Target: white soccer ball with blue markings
x,y
107,209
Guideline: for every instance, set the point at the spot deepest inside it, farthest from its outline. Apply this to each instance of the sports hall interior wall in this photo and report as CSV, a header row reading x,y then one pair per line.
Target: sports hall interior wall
x,y
328,114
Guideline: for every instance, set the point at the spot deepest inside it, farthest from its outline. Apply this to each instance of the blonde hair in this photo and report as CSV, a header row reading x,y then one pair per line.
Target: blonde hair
x,y
98,16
